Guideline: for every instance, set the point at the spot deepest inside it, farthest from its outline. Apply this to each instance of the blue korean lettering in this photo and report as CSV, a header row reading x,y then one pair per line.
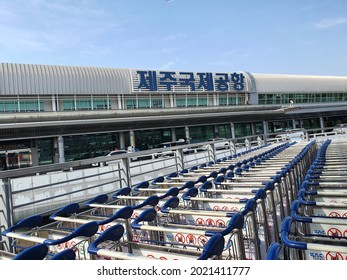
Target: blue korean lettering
x,y
319,231
206,81
316,256
148,80
187,81
170,237
238,80
168,80
222,83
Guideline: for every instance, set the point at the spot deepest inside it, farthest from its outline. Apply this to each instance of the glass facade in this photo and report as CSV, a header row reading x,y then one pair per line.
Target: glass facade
x,y
149,139
311,123
296,98
15,154
232,99
334,121
86,104
189,100
21,106
201,133
280,126
45,151
259,128
136,102
88,146
224,131
180,133
242,129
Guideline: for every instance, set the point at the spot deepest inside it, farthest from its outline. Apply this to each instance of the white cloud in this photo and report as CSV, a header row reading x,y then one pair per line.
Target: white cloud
x,y
167,65
328,23
229,53
172,37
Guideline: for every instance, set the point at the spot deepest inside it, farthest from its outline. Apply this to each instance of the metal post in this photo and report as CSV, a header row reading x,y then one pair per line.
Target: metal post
x,y
6,215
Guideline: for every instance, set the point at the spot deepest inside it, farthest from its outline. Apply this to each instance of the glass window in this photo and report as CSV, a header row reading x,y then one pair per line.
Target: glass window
x,y
131,103
242,129
149,139
191,102
201,133
45,151
11,106
83,104
262,99
31,105
180,102
100,104
180,133
79,147
311,123
157,103
68,105
235,100
224,130
259,128
223,101
297,98
144,103
202,101
21,106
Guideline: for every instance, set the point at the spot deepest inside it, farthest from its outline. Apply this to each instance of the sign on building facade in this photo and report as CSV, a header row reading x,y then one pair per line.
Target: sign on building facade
x,y
173,81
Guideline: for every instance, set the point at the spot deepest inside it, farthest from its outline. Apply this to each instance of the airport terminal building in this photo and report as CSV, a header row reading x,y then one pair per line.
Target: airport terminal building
x,y
51,114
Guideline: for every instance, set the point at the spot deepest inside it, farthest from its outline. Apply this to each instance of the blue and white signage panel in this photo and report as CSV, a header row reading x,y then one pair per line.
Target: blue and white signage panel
x,y
173,81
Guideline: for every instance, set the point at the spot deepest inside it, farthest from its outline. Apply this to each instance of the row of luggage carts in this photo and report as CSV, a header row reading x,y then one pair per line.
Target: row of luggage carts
x,y
316,228
231,209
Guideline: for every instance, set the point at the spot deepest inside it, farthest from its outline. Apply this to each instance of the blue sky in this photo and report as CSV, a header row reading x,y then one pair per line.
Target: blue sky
x,y
270,36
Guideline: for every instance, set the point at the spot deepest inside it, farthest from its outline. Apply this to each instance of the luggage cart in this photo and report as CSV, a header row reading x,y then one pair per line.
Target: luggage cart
x,y
255,230
191,239
297,247
320,227
39,252
164,188
108,246
275,252
317,208
31,231
323,196
273,202
71,216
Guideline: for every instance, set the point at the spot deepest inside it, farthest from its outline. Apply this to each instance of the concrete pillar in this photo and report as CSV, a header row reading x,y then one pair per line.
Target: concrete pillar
x,y
173,134
34,153
293,123
54,104
121,140
266,131
215,100
265,127
120,105
321,122
186,130
132,138
232,127
61,149
215,131
253,128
